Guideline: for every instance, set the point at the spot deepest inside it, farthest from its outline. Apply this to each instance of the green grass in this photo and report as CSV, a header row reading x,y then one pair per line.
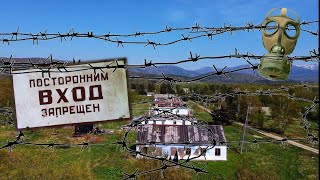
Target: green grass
x,y
108,161
140,109
295,130
199,113
267,161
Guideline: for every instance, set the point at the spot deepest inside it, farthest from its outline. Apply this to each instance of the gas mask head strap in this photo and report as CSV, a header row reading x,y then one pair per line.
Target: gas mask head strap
x,y
284,13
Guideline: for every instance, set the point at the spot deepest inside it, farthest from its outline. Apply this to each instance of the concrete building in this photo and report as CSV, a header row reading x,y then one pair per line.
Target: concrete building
x,y
169,120
180,111
266,110
150,94
159,97
168,103
182,141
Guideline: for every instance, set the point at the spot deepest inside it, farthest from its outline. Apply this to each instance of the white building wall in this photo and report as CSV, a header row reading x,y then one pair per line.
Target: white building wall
x,y
181,112
168,122
210,154
176,111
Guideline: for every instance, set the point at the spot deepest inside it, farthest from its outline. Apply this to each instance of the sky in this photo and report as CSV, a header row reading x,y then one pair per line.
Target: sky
x,y
126,17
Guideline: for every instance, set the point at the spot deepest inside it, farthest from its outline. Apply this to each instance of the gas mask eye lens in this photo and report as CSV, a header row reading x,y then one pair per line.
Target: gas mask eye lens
x,y
271,27
291,31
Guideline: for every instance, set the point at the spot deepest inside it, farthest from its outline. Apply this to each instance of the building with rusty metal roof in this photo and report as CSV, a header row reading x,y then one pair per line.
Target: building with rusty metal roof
x,y
179,111
168,120
186,141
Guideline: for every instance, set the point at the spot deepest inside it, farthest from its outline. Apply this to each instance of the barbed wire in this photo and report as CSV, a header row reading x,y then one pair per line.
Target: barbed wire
x,y
48,66
314,139
184,163
41,67
274,92
203,31
167,163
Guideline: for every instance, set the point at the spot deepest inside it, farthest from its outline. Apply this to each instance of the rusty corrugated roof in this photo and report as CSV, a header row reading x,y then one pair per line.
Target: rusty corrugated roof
x,y
180,134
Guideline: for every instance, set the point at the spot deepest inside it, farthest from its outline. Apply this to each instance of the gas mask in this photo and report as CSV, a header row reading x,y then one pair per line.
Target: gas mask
x,y
279,36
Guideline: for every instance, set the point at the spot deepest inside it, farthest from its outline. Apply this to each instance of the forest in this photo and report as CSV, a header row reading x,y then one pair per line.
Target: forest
x,y
283,111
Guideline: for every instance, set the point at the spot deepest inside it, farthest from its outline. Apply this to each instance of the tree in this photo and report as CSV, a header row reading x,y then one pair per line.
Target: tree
x,y
225,89
265,100
180,90
165,88
223,116
283,112
243,103
151,86
313,115
140,89
258,119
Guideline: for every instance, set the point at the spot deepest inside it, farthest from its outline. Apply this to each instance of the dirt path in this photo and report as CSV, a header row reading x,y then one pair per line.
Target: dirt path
x,y
268,134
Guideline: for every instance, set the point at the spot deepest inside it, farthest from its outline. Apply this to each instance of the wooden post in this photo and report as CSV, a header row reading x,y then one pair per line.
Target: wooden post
x,y
244,129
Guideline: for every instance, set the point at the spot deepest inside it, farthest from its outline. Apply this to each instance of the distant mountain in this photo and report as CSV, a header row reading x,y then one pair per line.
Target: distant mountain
x,y
309,66
297,74
173,70
303,72
204,70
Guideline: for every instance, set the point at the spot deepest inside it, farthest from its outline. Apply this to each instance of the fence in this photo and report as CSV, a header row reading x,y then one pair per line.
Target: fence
x,y
46,67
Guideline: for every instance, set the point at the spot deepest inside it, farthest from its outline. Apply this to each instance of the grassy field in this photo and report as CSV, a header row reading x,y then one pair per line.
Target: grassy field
x,y
293,130
199,113
105,160
266,161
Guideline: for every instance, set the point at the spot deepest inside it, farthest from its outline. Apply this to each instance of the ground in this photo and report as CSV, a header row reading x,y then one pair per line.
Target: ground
x,y
106,160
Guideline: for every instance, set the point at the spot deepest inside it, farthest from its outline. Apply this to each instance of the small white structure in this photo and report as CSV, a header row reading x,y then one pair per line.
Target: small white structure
x,y
159,97
167,101
180,111
182,142
185,90
150,94
266,110
170,120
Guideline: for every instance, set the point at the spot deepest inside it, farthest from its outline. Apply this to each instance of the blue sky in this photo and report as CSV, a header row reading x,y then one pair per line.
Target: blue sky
x,y
123,17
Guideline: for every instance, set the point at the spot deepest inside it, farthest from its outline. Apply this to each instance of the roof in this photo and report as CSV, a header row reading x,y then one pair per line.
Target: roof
x,y
266,110
180,134
185,90
166,96
170,118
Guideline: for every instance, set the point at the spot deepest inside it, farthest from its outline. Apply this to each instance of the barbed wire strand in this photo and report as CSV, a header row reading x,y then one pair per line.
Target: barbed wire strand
x,y
206,32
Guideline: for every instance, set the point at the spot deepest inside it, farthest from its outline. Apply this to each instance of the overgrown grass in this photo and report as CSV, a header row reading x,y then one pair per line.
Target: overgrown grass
x,y
109,161
6,93
266,161
200,114
295,130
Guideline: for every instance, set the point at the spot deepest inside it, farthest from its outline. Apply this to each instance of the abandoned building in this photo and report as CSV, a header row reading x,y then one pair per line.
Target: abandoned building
x,y
169,103
150,93
182,141
159,97
179,111
267,111
170,120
